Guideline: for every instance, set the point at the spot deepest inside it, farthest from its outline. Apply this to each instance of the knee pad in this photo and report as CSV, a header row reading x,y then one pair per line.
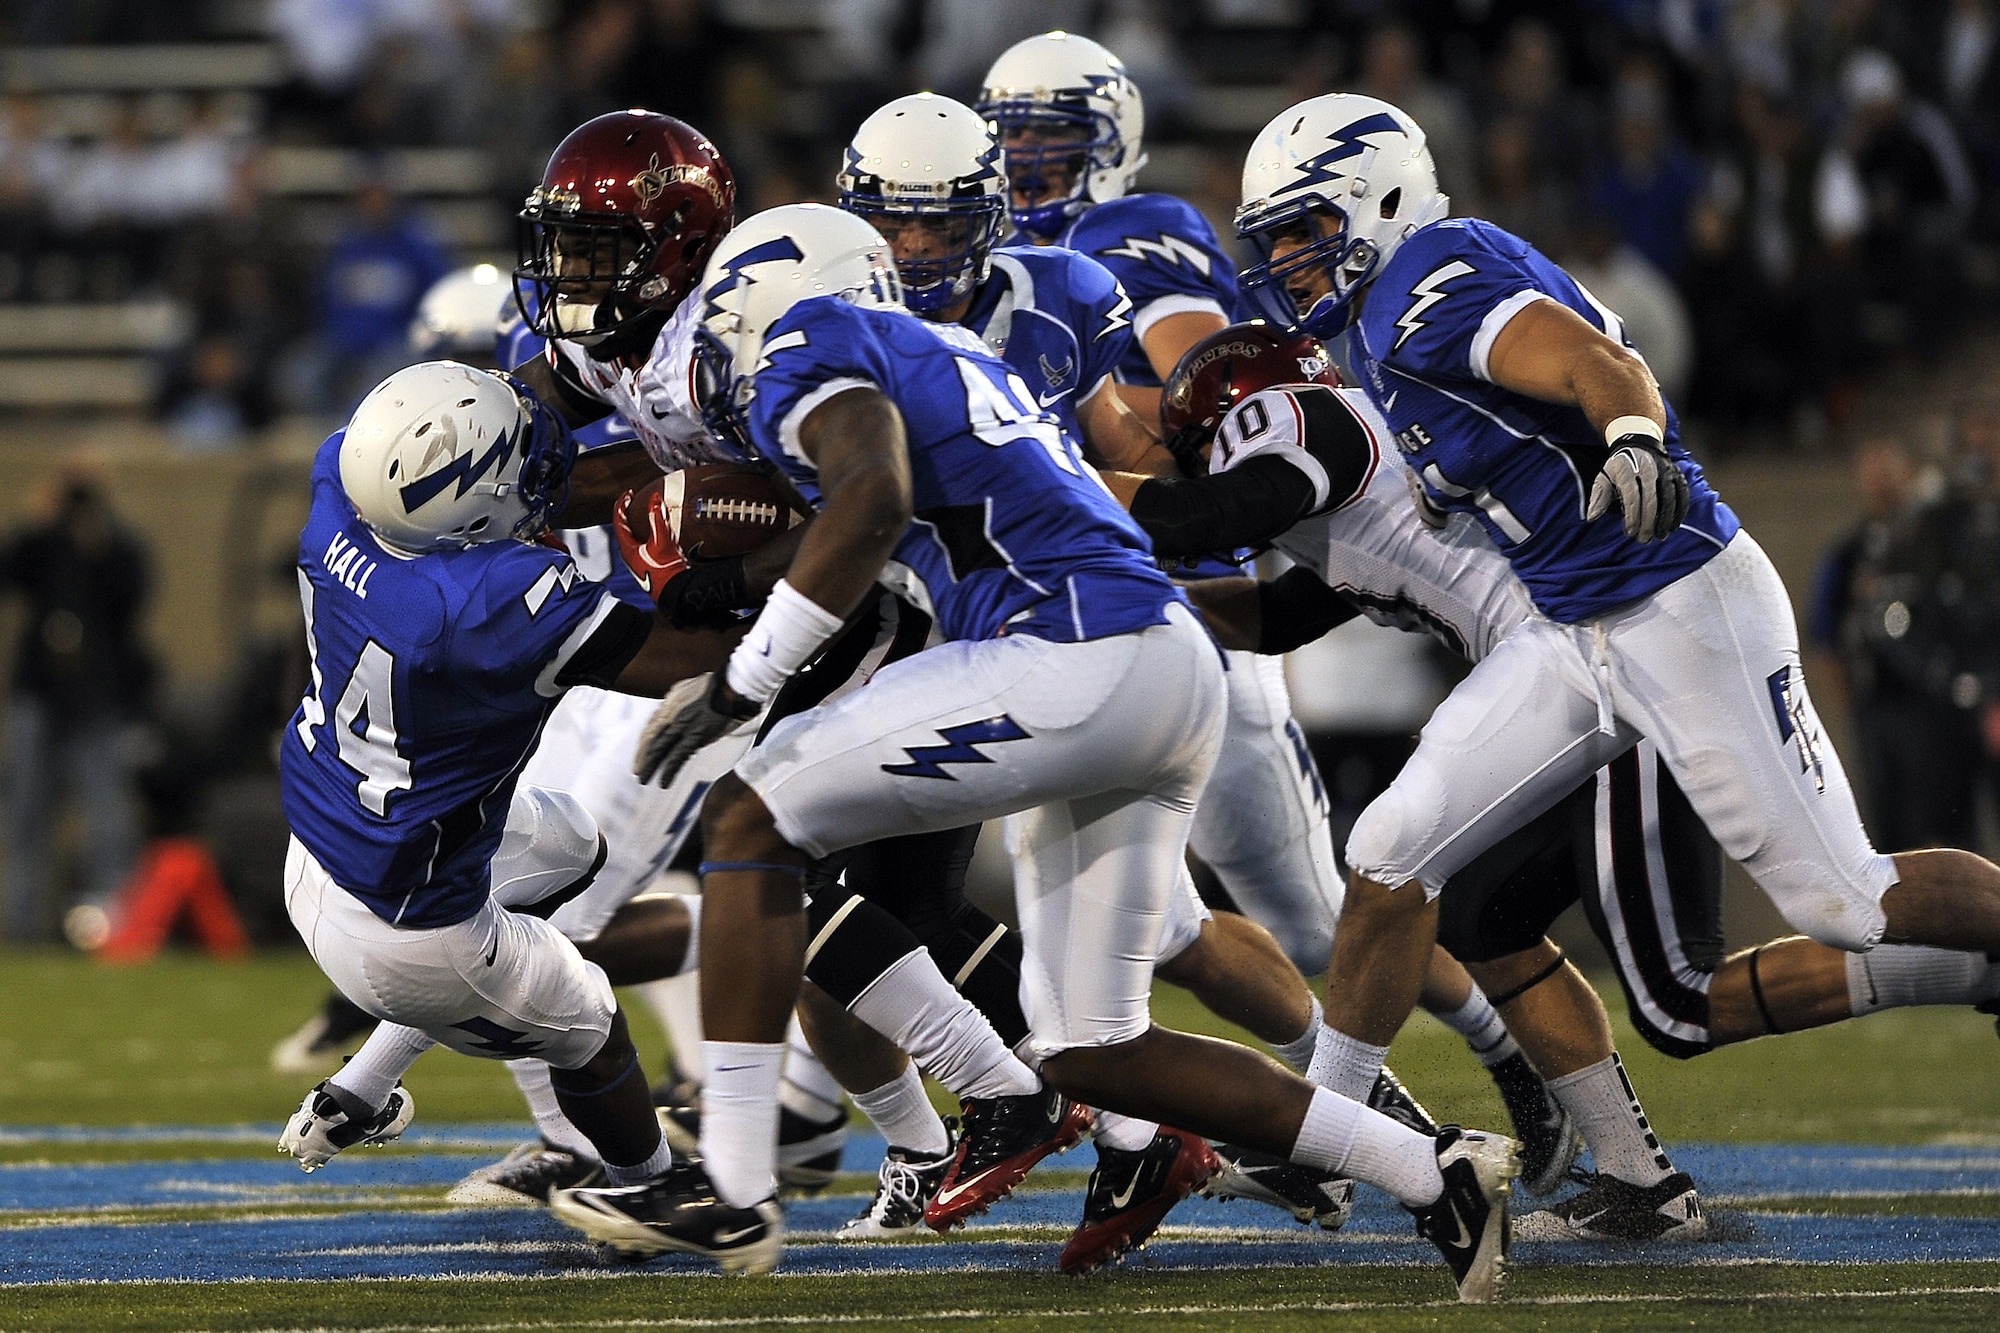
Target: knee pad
x,y
1837,920
550,842
1390,839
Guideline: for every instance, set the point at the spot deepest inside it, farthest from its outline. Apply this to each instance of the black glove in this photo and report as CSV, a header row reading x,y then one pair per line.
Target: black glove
x,y
695,712
709,594
1645,483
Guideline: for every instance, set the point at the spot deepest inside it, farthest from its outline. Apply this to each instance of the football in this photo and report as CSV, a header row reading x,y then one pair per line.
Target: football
x,y
716,510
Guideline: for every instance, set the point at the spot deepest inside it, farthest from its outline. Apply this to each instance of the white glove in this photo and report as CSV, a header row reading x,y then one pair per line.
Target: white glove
x,y
698,710
1647,486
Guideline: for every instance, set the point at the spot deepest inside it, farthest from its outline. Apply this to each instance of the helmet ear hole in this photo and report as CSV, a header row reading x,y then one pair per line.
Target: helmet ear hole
x,y
1391,202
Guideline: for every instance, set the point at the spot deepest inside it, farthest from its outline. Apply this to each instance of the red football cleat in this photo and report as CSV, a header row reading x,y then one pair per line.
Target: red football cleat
x,y
1131,1193
1000,1141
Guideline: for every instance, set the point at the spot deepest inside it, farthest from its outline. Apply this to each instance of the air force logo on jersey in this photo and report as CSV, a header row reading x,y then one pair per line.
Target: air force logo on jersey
x,y
1796,721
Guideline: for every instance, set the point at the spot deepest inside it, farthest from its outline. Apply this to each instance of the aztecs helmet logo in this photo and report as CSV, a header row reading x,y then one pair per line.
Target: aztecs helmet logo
x,y
651,183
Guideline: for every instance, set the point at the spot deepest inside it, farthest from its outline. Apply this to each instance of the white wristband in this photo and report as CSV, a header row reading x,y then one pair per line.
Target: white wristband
x,y
790,629
1624,426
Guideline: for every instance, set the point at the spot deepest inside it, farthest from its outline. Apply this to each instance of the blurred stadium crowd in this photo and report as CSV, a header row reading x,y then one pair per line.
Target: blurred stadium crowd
x,y
246,198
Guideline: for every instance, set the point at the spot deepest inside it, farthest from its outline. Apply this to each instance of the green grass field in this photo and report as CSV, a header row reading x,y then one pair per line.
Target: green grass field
x,y
184,1042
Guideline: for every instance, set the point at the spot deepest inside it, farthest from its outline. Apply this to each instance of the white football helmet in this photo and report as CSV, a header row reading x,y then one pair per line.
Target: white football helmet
x,y
440,456
1356,160
1060,83
461,314
927,156
766,266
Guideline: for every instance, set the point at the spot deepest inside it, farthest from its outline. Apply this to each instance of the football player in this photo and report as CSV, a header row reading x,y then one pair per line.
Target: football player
x,y
924,171
440,635
930,466
1289,459
1514,399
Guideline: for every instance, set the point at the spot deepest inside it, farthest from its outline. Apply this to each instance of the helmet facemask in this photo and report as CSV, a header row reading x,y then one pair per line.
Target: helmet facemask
x,y
719,395
957,236
590,274
1324,246
1052,150
548,452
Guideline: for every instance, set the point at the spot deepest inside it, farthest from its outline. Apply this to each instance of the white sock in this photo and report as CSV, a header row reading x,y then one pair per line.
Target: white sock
x,y
532,1077
1479,1023
1895,976
808,1089
913,1005
739,1118
1608,1115
1298,1052
640,1172
676,1002
385,1057
1345,1064
1123,1132
904,1115
1343,1136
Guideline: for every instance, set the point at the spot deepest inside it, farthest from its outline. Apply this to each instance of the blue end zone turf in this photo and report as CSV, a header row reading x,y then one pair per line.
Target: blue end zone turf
x,y
257,1232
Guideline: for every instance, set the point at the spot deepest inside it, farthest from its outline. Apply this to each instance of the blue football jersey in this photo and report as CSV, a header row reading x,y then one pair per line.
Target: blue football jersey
x,y
1059,319
431,678
1524,468
1013,533
1165,255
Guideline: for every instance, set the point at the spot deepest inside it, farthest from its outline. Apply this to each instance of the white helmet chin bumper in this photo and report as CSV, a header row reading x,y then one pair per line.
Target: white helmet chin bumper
x,y
1355,160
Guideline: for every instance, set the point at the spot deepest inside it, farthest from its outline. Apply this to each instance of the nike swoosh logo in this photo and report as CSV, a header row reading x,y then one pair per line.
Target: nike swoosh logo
x,y
1124,1196
730,1237
1052,399
949,1195
1578,1223
658,415
1389,403
1464,1239
730,1069
493,952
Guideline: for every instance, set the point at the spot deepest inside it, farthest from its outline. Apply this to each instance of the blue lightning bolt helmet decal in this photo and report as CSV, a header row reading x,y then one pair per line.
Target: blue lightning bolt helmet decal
x,y
1342,179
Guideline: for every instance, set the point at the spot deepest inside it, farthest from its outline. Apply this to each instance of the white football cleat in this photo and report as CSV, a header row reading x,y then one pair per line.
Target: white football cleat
x,y
319,1129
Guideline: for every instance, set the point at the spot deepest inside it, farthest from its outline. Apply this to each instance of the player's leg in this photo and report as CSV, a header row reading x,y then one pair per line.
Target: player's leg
x,y
1727,706
1261,824
1513,738
500,985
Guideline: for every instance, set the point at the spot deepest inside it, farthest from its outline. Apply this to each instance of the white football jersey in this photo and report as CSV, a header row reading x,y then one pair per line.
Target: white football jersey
x,y
1451,583
658,397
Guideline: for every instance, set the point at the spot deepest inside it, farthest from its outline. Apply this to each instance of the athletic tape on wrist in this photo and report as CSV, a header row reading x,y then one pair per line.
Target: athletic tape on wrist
x,y
791,628
1623,426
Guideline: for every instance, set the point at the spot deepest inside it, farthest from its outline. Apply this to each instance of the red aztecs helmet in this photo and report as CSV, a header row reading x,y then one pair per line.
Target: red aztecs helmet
x,y
1222,370
630,208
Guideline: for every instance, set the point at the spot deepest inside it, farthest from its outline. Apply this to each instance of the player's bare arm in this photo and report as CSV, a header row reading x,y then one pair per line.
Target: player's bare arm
x,y
1550,352
1119,437
668,656
855,440
1165,343
1270,616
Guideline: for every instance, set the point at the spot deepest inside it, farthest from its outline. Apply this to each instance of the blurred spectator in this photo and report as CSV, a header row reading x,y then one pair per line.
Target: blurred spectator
x,y
1648,182
31,164
1895,186
81,679
1392,68
1919,633
1515,192
1655,317
376,272
1529,83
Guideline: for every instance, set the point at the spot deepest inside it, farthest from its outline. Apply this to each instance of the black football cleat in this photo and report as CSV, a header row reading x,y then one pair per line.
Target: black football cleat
x,y
678,1211
1549,1141
808,1150
1392,1099
1131,1193
1613,1209
525,1178
905,1184
1468,1223
1000,1140
1309,1196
